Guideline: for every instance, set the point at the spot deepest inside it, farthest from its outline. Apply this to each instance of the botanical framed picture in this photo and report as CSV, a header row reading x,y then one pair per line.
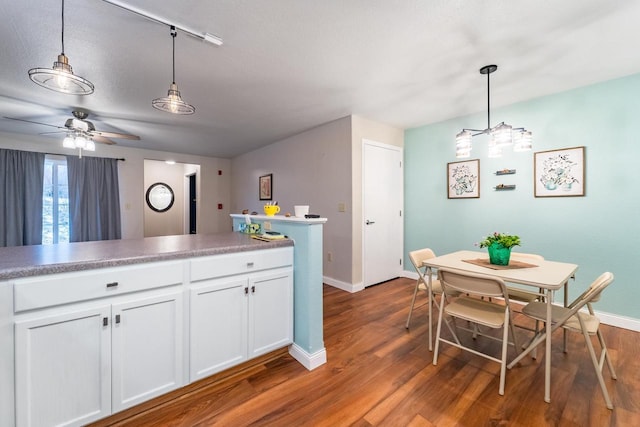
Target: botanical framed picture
x,y
559,173
265,187
463,179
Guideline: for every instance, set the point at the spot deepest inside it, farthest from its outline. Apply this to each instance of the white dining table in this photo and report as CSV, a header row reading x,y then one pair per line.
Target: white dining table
x,y
547,276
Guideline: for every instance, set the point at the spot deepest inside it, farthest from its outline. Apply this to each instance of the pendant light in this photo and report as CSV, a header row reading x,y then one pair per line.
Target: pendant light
x,y
500,136
61,78
173,103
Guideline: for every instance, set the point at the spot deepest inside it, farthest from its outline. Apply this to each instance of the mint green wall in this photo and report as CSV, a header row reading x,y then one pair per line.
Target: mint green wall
x,y
599,232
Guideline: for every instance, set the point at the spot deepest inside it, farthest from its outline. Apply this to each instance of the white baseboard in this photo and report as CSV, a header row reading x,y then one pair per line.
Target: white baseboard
x,y
309,361
343,285
606,318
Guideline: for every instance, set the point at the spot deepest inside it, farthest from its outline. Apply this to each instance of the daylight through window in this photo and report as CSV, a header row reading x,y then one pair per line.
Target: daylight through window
x,y
55,198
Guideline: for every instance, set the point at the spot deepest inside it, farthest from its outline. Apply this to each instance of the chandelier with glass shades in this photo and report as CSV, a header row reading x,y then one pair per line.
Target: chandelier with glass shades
x,y
500,136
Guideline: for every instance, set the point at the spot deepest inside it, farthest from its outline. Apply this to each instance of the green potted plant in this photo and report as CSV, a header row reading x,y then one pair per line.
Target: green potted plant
x,y
499,246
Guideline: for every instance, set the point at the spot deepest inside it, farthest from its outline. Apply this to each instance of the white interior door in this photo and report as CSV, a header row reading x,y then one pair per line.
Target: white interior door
x,y
382,210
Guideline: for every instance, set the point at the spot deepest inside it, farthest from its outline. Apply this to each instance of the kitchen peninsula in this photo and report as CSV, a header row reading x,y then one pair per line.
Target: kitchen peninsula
x,y
90,329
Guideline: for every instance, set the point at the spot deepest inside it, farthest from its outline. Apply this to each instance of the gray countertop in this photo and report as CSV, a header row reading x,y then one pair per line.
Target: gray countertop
x,y
25,261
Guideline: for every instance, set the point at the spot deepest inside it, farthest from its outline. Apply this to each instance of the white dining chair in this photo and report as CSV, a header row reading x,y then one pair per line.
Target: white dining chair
x,y
571,318
468,305
417,258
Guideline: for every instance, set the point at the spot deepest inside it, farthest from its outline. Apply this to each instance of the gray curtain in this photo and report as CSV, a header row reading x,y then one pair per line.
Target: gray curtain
x,y
21,185
94,199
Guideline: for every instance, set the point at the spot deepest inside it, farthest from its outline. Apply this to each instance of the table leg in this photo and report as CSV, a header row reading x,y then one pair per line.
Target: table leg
x,y
430,301
547,359
566,303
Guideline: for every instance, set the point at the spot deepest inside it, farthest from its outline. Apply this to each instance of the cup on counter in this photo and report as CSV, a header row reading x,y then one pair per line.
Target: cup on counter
x,y
271,210
301,210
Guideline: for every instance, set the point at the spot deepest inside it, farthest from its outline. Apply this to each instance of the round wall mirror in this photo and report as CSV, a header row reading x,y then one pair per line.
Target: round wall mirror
x,y
160,197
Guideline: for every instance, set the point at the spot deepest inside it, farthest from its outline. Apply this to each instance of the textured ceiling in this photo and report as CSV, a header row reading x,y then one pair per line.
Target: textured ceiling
x,y
289,65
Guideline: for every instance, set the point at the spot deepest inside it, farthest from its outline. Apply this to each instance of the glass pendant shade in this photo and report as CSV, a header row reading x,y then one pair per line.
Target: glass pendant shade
x,y
523,141
173,103
501,135
68,142
463,144
61,78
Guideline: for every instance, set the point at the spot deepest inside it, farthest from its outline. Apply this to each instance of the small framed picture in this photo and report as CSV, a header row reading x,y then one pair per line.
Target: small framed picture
x,y
265,185
463,179
559,173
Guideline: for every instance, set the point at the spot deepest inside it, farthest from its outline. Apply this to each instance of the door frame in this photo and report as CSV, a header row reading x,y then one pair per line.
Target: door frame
x,y
400,150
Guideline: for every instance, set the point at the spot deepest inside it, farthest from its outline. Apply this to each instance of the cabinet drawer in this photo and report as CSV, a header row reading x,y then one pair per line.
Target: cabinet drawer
x,y
64,288
239,263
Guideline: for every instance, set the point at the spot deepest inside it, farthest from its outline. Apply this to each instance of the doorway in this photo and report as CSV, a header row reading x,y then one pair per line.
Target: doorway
x,y
192,203
382,212
180,217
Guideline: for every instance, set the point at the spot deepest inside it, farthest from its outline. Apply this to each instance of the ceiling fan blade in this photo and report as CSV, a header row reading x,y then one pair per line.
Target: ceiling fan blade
x,y
102,139
33,122
115,135
52,132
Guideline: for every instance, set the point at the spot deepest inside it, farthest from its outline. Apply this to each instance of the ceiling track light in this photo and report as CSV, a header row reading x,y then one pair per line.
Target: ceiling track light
x,y
500,136
207,37
60,77
173,103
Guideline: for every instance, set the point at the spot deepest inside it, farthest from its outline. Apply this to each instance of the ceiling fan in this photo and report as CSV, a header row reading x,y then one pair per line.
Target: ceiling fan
x,y
80,126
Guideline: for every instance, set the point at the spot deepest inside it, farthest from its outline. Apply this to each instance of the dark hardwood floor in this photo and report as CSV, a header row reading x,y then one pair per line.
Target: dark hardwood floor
x,y
380,374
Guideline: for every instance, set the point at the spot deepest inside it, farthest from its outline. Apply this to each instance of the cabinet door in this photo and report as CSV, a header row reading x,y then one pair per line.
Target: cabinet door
x,y
270,311
218,325
63,375
147,342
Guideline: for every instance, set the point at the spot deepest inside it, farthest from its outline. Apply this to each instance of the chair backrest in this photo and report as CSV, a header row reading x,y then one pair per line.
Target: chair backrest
x,y
418,256
592,294
472,284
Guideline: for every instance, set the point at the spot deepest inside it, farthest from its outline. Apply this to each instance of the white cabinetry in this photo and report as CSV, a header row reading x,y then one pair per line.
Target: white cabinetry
x,y
80,362
236,318
62,368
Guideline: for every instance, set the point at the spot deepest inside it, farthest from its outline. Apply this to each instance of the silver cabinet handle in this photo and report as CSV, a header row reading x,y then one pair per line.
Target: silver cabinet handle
x,y
112,285
117,318
249,265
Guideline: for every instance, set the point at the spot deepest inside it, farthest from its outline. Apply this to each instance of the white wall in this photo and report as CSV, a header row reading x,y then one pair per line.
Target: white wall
x,y
312,168
216,188
321,167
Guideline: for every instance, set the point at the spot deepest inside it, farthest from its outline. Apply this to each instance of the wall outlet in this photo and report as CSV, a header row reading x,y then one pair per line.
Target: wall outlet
x,y
329,256
266,226
342,207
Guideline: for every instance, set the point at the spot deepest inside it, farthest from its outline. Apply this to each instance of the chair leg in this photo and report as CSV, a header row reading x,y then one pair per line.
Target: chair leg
x,y
596,366
605,354
505,344
438,330
413,302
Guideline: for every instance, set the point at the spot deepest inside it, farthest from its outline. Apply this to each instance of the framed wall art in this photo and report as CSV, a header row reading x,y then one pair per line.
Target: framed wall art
x,y
559,173
265,185
463,179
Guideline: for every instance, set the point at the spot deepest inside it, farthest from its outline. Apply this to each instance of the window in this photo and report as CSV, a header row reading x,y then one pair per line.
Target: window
x,y
55,201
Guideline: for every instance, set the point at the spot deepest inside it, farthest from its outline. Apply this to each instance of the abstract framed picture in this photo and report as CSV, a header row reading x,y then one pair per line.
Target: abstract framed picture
x,y
265,187
559,173
463,179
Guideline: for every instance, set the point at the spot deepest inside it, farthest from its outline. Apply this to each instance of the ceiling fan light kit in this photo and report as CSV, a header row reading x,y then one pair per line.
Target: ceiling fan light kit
x,y
500,136
60,77
173,103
